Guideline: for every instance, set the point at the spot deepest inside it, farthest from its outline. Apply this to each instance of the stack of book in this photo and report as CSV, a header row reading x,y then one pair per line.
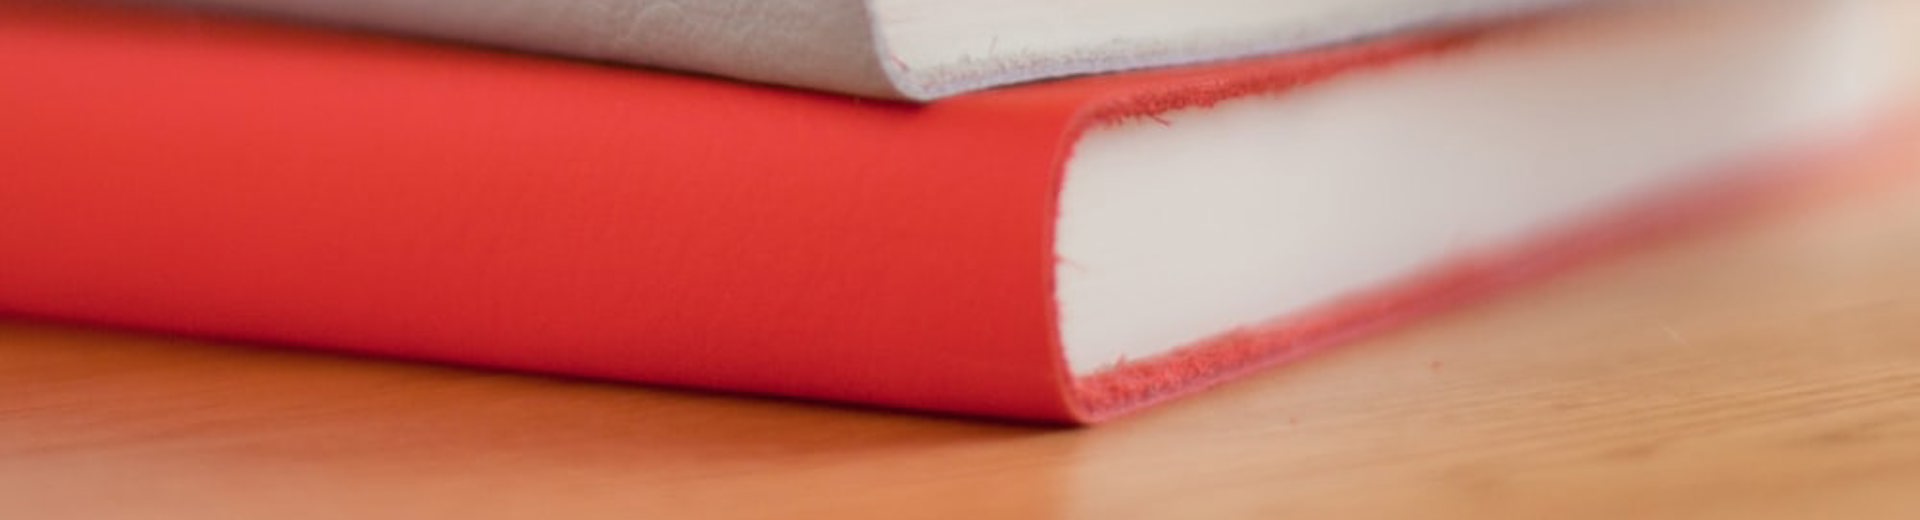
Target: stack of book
x,y
1035,210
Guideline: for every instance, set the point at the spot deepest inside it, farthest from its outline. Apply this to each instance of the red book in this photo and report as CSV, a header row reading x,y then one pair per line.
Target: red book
x,y
1059,252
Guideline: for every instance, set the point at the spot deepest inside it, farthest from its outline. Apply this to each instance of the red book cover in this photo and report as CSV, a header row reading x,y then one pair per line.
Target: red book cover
x,y
378,196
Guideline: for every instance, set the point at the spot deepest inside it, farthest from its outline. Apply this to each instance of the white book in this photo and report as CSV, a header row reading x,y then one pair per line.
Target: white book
x,y
906,49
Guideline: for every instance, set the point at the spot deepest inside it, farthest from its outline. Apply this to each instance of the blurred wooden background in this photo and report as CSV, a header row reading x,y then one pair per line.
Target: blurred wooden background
x,y
1768,370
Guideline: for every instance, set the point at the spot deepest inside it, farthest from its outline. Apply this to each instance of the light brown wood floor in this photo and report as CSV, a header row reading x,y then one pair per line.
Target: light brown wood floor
x,y
1769,370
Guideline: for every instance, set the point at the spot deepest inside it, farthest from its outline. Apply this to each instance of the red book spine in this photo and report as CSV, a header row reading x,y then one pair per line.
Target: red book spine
x,y
413,200
379,196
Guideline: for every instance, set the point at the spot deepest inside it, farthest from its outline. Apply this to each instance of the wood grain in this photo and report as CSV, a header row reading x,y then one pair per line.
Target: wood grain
x,y
1768,370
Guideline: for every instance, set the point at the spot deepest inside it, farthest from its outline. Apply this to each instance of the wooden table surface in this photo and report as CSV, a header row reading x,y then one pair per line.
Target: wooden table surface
x,y
1770,369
